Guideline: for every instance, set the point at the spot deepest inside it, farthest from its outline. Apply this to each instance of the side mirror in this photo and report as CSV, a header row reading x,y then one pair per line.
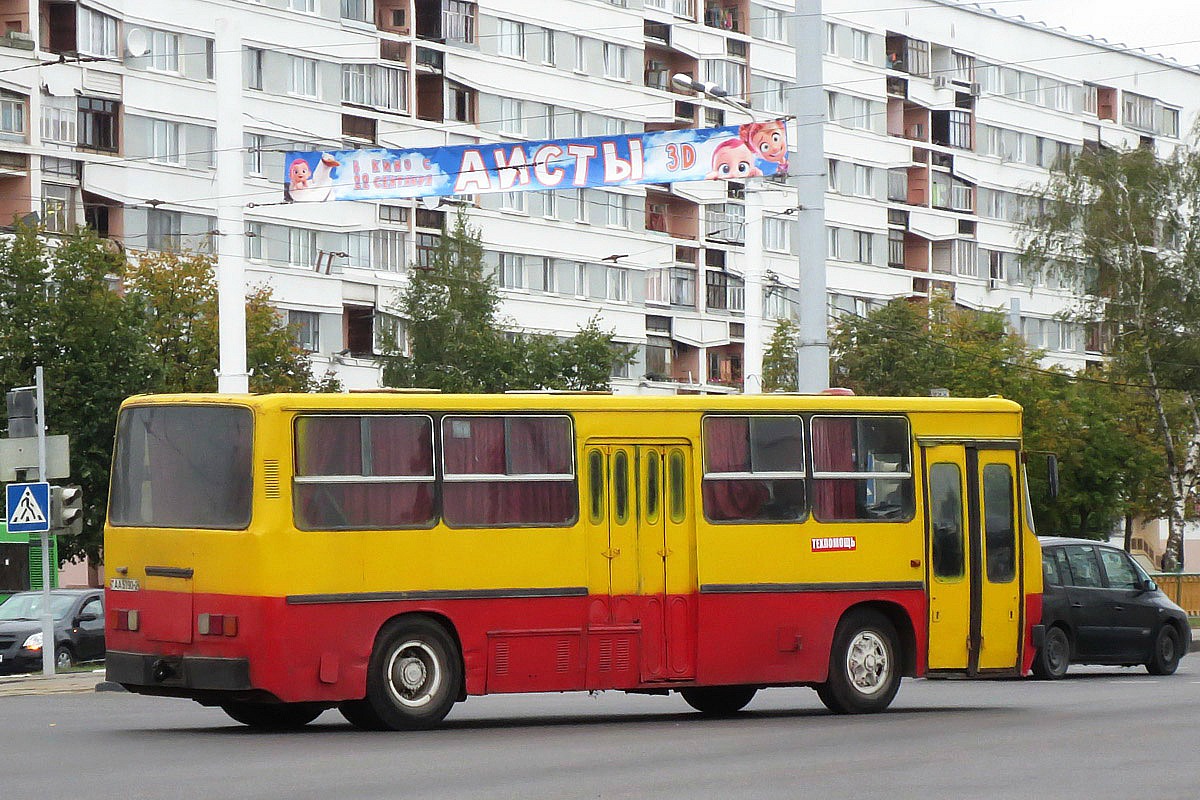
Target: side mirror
x,y
1148,585
1052,474
87,617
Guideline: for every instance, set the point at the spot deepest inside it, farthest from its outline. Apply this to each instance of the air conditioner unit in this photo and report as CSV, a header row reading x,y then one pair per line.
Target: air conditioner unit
x,y
976,90
941,82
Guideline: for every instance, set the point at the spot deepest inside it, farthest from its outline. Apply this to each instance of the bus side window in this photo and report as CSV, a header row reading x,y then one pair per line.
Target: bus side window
x,y
595,486
677,478
753,468
862,469
620,479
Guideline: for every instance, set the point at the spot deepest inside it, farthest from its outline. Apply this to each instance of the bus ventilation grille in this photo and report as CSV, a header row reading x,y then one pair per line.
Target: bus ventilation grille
x,y
271,478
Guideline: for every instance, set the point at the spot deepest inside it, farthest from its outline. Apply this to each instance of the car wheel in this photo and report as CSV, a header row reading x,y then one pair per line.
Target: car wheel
x,y
274,716
1054,657
864,665
718,701
414,675
64,658
1165,657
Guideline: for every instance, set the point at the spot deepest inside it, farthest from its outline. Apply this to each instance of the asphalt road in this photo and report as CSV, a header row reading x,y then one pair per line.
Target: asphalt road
x,y
1100,733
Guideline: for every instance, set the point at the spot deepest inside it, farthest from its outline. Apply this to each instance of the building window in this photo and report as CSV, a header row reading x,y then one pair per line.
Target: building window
x,y
358,10
549,273
164,51
774,23
354,84
60,116
97,125
833,245
773,96
1169,125
864,181
252,67
776,234
548,54
550,205
862,45
302,78
390,88
895,248
458,21
580,54
966,258
512,116
12,114
396,214
164,141
387,250
618,210
302,247
1139,111
97,33
56,207
306,329
511,271
461,105
510,39
255,233
512,201
863,246
304,6
617,284
164,230
427,246
615,61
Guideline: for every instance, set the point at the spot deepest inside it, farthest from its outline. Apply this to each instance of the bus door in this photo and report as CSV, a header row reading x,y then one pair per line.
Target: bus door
x,y
975,601
648,542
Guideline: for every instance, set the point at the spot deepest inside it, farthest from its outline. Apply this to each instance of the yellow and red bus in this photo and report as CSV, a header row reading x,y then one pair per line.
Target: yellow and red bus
x,y
391,554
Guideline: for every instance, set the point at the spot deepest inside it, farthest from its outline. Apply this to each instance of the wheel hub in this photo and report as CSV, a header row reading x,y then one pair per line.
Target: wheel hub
x,y
867,662
412,673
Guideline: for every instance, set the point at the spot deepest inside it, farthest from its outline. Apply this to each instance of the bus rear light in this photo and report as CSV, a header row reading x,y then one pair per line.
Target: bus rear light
x,y
217,625
127,620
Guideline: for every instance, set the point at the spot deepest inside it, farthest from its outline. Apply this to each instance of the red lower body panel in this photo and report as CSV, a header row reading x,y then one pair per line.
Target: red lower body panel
x,y
319,651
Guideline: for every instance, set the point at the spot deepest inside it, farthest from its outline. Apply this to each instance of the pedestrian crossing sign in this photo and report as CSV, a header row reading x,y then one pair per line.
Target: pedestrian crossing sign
x,y
27,507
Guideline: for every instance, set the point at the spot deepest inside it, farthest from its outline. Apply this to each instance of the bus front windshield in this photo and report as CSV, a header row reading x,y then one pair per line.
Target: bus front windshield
x,y
182,467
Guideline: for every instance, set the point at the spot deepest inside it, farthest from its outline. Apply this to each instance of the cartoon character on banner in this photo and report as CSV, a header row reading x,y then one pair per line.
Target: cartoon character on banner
x,y
306,185
733,159
768,141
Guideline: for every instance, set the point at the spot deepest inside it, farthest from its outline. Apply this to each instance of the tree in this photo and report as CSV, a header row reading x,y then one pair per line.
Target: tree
x,y
98,346
779,360
1124,226
178,292
909,348
457,343
59,312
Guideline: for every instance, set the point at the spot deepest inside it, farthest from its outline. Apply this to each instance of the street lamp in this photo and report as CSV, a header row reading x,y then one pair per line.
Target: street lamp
x,y
752,313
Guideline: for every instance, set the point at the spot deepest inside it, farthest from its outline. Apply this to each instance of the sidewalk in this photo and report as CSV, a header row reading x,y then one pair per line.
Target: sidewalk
x,y
61,683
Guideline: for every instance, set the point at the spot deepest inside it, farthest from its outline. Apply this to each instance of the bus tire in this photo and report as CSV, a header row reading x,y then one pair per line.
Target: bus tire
x,y
1165,658
718,701
273,716
1054,656
414,675
864,665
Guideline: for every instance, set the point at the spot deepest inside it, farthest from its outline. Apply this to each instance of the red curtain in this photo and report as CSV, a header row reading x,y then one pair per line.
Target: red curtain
x,y
833,451
727,449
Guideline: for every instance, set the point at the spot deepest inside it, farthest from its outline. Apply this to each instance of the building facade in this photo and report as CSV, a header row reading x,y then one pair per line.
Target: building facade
x,y
937,119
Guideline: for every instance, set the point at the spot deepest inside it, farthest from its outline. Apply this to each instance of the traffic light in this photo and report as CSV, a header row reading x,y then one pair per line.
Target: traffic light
x,y
66,509
22,413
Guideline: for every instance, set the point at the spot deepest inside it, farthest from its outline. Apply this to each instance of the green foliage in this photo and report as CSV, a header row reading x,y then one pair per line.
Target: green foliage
x,y
456,342
1124,226
910,348
779,359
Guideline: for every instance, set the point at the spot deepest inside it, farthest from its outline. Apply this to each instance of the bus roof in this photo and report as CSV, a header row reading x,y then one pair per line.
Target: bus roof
x,y
366,401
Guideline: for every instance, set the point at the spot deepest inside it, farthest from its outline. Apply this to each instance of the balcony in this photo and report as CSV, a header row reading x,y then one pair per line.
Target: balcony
x,y
680,8
908,55
724,292
674,216
729,15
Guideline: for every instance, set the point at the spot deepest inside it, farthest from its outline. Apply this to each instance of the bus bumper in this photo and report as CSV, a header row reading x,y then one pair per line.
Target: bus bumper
x,y
177,674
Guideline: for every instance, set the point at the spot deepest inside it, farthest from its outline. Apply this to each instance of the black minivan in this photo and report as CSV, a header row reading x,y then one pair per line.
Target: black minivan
x,y
1100,607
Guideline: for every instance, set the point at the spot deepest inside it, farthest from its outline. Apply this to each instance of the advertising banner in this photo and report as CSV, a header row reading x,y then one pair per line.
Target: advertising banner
x,y
734,152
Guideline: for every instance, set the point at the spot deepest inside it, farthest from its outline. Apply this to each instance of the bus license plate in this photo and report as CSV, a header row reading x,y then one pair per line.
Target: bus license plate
x,y
124,585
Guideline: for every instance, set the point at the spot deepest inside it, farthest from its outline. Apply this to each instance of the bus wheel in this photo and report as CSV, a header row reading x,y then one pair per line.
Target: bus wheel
x,y
864,665
360,714
274,716
414,675
718,701
1054,657
1166,655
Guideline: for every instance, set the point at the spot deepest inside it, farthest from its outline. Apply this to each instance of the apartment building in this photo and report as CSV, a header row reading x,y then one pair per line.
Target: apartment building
x,y
938,119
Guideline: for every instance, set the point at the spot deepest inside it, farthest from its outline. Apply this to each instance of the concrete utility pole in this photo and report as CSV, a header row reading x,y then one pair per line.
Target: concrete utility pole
x,y
49,645
231,268
812,362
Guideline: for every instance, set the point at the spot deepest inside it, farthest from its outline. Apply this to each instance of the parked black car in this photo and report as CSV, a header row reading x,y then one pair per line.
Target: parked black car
x,y
78,629
1100,607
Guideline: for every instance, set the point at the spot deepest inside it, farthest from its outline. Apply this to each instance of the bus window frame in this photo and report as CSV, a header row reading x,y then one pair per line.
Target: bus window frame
x,y
909,475
803,475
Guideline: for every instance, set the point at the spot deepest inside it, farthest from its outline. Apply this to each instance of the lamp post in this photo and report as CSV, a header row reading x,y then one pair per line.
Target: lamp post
x,y
752,314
